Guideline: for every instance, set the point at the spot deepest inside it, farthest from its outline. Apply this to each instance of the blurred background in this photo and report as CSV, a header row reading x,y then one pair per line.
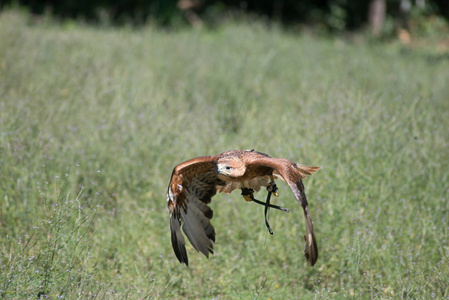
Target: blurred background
x,y
99,100
382,17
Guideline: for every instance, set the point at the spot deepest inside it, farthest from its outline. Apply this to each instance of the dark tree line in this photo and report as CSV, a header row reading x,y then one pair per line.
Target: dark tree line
x,y
334,14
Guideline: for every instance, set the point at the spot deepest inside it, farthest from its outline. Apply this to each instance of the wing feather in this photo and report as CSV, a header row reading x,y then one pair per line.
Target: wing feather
x,y
191,188
177,240
311,251
198,228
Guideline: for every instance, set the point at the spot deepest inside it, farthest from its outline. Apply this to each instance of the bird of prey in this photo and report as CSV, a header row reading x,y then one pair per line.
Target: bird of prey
x,y
194,182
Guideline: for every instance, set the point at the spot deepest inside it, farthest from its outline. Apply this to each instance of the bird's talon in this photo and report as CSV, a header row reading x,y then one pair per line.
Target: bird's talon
x,y
248,194
247,198
272,188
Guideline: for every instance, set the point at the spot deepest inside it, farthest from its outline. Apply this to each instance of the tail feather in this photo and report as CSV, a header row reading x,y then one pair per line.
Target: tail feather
x,y
306,170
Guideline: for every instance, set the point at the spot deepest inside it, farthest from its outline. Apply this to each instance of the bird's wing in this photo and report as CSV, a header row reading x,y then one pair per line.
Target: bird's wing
x,y
192,185
293,174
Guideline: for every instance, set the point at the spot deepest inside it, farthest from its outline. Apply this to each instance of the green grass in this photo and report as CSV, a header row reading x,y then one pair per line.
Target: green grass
x,y
92,121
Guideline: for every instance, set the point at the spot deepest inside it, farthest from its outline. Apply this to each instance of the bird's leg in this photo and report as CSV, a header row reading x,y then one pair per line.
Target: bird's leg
x,y
248,194
272,187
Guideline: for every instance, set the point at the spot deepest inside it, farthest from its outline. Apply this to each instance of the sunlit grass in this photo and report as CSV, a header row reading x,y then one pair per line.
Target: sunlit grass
x,y
92,121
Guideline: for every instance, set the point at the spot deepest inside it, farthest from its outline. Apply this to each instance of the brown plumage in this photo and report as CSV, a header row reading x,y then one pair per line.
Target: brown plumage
x,y
196,181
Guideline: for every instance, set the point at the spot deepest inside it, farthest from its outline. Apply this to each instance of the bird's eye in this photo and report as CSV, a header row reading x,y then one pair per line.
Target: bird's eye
x,y
228,168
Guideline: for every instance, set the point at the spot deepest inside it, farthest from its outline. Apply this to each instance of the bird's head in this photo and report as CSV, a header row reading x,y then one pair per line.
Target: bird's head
x,y
230,168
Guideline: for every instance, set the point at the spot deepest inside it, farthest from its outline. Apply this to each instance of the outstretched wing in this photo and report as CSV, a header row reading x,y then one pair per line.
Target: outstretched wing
x,y
292,174
192,185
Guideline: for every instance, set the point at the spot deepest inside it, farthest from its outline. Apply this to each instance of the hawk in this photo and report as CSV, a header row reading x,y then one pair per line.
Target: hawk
x,y
194,182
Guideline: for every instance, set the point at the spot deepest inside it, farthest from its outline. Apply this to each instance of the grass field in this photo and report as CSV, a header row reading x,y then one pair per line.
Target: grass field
x,y
92,121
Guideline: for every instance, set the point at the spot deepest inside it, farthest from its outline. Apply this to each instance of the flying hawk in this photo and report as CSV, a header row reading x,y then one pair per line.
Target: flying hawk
x,y
194,182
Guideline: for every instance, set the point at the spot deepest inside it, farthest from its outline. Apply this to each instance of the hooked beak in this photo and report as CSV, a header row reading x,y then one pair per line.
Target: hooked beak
x,y
221,169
